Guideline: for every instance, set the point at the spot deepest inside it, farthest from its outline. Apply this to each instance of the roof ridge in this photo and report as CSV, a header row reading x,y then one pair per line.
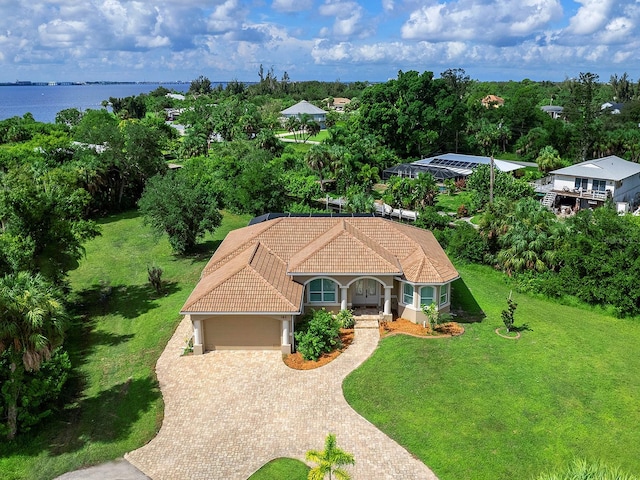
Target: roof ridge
x,y
373,245
305,252
232,270
228,256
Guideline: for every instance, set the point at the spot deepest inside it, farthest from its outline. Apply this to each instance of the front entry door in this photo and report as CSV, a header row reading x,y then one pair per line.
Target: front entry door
x,y
365,293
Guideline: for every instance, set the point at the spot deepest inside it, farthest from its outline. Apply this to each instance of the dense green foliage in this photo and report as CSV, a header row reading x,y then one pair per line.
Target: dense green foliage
x,y
483,407
31,327
39,393
182,208
318,333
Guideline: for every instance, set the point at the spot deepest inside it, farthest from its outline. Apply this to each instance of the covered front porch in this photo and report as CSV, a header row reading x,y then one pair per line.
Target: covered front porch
x,y
335,293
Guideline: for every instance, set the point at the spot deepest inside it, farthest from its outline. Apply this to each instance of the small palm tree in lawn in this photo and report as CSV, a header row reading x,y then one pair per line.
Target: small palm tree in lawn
x,y
32,322
330,461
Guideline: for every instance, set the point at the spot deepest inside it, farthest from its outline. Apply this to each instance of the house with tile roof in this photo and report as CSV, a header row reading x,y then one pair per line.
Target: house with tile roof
x,y
263,277
492,101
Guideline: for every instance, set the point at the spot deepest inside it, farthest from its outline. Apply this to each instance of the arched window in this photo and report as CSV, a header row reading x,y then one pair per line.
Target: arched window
x,y
322,290
427,296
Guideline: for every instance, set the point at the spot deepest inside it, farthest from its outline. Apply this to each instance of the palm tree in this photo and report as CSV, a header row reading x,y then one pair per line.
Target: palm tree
x,y
32,320
317,158
548,159
330,460
293,126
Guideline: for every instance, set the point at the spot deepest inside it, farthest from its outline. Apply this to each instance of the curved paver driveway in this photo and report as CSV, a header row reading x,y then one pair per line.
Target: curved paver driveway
x,y
227,413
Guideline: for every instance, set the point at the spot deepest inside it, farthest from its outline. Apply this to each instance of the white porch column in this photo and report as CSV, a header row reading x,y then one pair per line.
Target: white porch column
x,y
416,297
198,348
343,297
387,300
285,346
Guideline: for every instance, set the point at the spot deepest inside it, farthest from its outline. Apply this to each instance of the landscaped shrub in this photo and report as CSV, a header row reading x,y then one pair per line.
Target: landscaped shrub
x,y
465,243
321,334
463,211
39,393
345,317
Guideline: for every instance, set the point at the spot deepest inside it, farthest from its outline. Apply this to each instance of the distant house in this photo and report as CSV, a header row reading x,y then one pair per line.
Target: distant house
x,y
554,111
492,101
612,107
338,104
448,165
589,184
263,277
304,107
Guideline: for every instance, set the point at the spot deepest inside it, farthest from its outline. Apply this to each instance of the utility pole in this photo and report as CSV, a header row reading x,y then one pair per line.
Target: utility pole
x,y
491,180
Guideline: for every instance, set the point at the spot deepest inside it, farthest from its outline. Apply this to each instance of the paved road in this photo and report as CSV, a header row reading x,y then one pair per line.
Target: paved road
x,y
227,413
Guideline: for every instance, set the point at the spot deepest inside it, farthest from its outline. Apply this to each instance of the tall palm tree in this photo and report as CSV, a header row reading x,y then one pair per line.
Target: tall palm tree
x,y
330,460
32,320
317,158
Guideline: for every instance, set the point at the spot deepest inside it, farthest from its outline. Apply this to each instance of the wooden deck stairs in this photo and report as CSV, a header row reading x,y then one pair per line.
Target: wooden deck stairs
x,y
549,199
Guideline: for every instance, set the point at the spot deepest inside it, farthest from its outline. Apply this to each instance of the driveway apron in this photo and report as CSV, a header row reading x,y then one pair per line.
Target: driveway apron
x,y
227,413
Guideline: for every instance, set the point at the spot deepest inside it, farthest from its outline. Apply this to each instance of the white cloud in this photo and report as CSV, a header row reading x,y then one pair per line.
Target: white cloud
x,y
290,6
590,17
387,5
487,22
348,18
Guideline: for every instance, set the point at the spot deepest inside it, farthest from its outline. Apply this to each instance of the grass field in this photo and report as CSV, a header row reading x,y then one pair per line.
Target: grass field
x,y
314,138
281,469
483,407
450,203
121,326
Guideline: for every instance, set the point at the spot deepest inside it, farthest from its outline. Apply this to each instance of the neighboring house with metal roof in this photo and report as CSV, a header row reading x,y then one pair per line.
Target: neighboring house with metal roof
x,y
590,183
612,107
554,111
304,107
447,165
263,277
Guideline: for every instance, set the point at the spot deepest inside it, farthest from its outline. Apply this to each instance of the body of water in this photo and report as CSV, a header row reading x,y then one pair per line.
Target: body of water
x,y
44,102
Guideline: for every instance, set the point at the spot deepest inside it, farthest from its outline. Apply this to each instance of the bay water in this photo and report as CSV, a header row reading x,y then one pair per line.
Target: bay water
x,y
44,102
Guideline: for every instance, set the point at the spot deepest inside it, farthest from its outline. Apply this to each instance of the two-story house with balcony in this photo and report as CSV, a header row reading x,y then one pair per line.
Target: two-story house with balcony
x,y
591,183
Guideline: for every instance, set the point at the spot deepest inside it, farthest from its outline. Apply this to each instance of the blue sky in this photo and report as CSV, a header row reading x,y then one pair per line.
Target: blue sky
x,y
43,40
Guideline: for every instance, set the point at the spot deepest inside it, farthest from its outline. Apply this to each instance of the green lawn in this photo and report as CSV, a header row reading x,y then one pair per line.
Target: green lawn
x,y
450,203
282,469
315,138
483,407
114,344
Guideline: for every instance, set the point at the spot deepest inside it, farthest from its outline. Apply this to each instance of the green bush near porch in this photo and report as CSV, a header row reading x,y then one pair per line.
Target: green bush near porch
x,y
483,407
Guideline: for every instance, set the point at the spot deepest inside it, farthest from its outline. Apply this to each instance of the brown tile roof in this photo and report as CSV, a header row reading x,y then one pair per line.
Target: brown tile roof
x,y
254,280
253,269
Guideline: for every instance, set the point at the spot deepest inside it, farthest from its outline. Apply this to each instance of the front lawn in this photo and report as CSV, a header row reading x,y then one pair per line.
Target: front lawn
x,y
120,328
282,468
483,407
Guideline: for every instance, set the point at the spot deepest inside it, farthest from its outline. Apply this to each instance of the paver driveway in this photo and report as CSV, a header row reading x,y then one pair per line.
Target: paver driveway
x,y
227,413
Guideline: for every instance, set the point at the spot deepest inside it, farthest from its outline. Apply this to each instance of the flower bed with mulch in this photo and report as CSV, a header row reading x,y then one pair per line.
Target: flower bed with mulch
x,y
407,327
296,361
